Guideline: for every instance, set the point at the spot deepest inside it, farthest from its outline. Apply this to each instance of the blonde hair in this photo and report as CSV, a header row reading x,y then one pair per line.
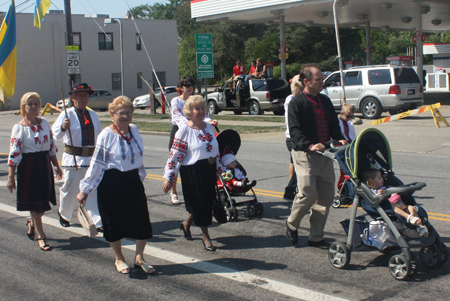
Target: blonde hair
x,y
347,108
192,101
24,101
120,100
369,175
297,86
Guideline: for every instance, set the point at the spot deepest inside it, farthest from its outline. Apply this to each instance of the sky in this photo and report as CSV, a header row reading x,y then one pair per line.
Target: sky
x,y
114,8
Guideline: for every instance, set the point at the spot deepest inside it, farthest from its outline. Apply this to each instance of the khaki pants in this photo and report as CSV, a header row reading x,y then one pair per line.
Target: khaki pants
x,y
315,178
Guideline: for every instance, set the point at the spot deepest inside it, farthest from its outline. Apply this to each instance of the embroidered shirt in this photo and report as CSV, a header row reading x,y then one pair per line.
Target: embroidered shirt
x,y
178,117
30,139
113,152
321,117
77,135
87,127
189,146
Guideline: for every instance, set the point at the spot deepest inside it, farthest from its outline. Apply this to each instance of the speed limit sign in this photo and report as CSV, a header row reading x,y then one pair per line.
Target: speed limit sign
x,y
73,60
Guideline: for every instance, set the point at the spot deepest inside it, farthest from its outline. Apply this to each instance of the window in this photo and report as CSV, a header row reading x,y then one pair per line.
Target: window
x,y
138,42
162,78
171,90
406,76
379,76
104,93
76,36
116,81
105,41
353,78
258,85
333,80
139,80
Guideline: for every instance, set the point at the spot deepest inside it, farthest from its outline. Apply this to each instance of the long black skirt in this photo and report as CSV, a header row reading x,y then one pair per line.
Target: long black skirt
x,y
35,183
198,182
122,204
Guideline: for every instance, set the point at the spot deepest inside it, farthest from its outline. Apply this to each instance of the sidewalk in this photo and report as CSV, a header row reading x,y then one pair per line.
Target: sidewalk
x,y
415,134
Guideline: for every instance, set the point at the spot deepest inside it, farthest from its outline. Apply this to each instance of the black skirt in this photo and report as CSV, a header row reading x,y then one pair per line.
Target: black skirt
x,y
122,204
35,183
198,182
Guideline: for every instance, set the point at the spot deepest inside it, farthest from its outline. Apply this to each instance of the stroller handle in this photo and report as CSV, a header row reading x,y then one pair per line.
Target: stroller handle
x,y
403,189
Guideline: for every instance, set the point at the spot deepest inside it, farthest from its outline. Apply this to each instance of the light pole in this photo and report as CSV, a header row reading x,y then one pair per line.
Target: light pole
x,y
110,21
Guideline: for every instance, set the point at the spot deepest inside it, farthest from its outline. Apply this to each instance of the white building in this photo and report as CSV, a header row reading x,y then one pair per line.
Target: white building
x,y
42,63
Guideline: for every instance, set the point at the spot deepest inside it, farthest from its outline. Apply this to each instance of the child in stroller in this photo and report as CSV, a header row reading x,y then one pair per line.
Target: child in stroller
x,y
373,179
391,232
233,175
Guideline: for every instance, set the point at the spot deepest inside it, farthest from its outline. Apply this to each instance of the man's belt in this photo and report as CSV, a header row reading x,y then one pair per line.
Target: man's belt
x,y
79,151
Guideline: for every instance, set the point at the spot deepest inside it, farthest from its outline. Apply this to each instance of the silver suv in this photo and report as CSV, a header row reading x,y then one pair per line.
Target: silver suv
x,y
373,90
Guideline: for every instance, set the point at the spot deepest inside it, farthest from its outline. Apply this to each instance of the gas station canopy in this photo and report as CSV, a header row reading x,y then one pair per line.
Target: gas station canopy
x,y
382,14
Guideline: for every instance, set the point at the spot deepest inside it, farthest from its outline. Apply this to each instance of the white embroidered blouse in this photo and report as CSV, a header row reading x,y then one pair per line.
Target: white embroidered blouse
x,y
178,117
189,146
286,107
113,152
30,139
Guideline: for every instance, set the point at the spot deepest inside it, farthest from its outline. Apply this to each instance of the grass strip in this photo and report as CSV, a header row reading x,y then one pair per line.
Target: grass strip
x,y
164,127
217,117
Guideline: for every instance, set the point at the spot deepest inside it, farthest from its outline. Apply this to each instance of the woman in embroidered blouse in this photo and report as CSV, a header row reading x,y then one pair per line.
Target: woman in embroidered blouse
x,y
31,151
117,172
186,86
195,153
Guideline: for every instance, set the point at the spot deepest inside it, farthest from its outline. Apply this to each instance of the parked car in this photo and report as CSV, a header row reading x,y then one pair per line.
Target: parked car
x,y
99,100
373,90
143,101
257,96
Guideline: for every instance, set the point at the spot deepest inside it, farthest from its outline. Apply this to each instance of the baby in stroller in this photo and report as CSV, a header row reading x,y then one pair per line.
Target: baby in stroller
x,y
374,179
233,175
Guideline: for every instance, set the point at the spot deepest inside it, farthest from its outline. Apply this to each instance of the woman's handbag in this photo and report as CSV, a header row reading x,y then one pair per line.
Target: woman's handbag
x,y
86,221
219,212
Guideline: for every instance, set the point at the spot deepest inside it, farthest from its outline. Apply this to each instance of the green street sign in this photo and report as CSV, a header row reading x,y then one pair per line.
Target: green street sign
x,y
203,42
205,65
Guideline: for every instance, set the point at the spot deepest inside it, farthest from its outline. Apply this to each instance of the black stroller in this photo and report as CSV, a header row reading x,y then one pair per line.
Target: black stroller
x,y
380,227
228,194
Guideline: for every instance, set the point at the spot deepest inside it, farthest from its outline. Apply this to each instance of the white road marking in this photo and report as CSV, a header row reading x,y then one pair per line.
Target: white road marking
x,y
228,273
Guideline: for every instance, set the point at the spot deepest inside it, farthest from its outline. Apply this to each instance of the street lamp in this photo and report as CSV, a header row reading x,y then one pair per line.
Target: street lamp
x,y
110,21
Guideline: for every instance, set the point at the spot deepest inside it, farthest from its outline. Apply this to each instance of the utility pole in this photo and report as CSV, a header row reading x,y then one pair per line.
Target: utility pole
x,y
69,36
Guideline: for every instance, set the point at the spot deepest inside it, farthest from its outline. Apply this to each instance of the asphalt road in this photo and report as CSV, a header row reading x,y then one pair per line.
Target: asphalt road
x,y
254,260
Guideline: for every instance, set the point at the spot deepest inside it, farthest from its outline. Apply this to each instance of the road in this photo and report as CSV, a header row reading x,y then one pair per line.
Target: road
x,y
253,262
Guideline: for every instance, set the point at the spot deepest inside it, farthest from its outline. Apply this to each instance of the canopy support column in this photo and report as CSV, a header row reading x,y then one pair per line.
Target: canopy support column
x,y
282,47
419,45
368,45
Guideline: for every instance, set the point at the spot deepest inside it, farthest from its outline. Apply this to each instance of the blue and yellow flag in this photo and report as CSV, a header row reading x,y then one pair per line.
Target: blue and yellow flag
x,y
8,52
40,9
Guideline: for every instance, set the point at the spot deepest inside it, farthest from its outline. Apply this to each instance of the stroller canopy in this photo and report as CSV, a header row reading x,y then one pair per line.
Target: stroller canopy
x,y
229,138
370,142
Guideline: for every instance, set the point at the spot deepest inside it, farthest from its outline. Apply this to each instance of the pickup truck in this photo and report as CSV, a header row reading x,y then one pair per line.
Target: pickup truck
x,y
255,96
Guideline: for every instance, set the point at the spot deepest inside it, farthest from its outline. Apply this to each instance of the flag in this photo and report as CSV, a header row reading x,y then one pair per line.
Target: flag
x,y
8,52
40,9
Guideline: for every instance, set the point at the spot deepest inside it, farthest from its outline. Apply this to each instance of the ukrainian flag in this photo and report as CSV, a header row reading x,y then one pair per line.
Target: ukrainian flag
x,y
40,9
8,52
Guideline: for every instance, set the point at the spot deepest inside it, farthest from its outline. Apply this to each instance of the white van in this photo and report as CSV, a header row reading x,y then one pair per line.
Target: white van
x,y
373,90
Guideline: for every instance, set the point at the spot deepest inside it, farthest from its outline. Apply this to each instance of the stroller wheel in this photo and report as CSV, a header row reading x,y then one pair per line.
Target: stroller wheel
x,y
430,256
400,267
260,209
339,255
252,209
336,202
445,253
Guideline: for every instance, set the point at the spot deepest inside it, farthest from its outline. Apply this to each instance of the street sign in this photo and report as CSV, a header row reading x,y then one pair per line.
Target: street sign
x,y
286,49
286,55
73,60
205,63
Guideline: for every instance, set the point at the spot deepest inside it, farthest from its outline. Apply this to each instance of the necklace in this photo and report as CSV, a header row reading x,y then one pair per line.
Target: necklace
x,y
33,127
128,140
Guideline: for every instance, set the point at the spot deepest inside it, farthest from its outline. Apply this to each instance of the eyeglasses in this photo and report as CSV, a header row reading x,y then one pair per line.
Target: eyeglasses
x,y
349,116
124,114
188,85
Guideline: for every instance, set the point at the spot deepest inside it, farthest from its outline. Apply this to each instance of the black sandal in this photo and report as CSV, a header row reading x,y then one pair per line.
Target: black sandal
x,y
30,232
46,245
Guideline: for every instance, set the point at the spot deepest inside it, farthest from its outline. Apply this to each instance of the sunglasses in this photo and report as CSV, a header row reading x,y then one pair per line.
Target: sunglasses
x,y
349,116
188,85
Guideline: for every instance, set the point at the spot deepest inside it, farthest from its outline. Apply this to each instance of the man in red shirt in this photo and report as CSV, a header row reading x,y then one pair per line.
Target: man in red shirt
x,y
238,70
